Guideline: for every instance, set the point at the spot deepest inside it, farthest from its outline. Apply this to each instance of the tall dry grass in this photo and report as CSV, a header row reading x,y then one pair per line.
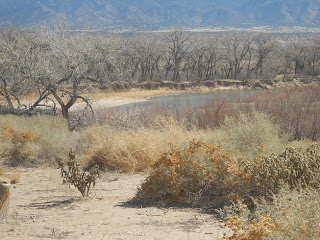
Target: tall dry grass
x,y
128,150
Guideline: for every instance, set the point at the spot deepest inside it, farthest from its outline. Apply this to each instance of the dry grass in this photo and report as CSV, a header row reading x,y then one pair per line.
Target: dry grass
x,y
292,214
131,150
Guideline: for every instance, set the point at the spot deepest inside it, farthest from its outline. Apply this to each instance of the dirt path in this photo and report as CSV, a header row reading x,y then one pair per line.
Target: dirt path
x,y
41,208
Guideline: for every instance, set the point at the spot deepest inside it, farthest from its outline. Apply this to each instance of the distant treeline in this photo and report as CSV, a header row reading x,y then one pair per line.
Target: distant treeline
x,y
54,65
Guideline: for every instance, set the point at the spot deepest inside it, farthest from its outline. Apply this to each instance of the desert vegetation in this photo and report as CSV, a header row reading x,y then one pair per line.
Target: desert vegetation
x,y
253,159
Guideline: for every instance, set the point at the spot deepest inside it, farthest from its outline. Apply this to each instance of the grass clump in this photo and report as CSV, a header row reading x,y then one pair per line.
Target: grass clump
x,y
131,150
32,141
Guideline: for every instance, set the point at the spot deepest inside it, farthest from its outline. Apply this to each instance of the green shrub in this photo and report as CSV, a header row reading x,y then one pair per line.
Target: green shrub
x,y
249,136
295,167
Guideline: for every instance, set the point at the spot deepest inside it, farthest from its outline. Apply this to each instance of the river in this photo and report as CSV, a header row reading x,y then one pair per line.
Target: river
x,y
181,101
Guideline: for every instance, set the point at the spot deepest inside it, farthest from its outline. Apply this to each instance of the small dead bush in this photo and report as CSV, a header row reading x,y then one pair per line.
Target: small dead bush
x,y
244,226
73,174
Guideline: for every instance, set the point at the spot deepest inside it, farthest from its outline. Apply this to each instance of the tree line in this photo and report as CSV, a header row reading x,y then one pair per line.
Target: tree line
x,y
53,66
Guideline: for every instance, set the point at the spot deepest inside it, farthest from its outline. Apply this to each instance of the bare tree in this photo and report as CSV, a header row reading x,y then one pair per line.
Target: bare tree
x,y
263,46
146,56
179,44
236,47
65,66
14,78
313,56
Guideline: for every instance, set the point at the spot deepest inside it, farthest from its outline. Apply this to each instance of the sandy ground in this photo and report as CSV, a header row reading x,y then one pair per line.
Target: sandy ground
x,y
42,208
101,104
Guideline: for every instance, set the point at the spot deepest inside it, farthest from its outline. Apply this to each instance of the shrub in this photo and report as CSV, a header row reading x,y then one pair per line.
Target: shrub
x,y
243,229
21,151
295,167
74,175
198,174
206,175
294,211
292,214
249,136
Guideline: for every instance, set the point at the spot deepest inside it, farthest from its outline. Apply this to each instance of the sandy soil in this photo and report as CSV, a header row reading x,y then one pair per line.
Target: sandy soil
x,y
42,208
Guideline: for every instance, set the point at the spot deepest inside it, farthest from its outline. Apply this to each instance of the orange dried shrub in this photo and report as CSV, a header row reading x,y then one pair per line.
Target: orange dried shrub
x,y
20,151
244,230
198,174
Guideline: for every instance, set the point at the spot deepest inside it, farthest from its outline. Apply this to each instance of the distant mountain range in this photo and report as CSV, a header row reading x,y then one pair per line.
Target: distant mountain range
x,y
155,14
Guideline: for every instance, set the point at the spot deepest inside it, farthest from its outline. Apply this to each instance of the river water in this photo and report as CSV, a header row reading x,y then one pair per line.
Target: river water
x,y
181,101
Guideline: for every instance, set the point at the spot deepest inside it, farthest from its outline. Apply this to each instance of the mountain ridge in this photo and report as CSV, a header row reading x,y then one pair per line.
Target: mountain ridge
x,y
156,14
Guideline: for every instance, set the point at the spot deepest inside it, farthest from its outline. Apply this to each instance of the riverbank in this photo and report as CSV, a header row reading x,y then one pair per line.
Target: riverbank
x,y
142,92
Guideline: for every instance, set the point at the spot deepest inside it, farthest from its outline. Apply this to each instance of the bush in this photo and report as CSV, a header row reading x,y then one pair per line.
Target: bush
x,y
206,175
295,167
244,225
198,174
21,151
296,213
